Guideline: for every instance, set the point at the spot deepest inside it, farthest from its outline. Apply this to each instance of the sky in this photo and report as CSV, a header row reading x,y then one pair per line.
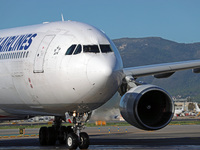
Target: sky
x,y
176,20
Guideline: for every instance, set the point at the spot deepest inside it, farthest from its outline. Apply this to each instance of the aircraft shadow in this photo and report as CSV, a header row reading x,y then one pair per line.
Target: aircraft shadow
x,y
110,141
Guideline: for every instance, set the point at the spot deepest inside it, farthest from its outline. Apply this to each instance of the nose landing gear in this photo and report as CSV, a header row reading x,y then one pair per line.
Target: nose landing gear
x,y
78,138
71,136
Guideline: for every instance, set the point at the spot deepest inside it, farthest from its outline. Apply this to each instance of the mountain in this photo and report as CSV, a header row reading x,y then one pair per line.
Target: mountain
x,y
153,50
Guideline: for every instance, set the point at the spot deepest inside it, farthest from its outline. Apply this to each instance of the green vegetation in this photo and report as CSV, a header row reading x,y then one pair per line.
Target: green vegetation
x,y
94,125
21,126
66,124
184,123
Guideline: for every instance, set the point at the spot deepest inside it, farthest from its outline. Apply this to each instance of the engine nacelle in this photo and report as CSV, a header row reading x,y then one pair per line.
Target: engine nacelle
x,y
147,107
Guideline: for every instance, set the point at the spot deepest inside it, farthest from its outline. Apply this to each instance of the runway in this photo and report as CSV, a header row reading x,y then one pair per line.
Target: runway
x,y
128,137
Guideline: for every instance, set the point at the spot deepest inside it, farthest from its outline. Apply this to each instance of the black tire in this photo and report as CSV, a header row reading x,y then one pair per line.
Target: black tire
x,y
43,135
63,135
64,131
84,140
51,136
72,141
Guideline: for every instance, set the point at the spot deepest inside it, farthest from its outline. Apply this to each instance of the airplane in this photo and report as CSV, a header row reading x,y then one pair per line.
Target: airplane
x,y
197,108
71,67
178,110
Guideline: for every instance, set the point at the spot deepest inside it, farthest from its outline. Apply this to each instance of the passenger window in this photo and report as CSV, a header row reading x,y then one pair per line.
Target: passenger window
x,y
78,49
70,50
105,48
90,48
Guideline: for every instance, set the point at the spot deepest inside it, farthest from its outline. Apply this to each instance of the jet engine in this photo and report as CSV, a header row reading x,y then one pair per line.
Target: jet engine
x,y
147,107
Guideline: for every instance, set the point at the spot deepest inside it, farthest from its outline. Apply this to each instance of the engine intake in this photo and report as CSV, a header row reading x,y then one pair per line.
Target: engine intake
x,y
147,107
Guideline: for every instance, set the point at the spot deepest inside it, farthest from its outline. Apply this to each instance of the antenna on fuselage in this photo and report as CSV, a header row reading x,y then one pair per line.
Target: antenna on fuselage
x,y
62,17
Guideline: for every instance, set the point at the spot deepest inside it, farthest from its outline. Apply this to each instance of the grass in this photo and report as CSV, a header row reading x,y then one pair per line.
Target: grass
x,y
184,123
94,125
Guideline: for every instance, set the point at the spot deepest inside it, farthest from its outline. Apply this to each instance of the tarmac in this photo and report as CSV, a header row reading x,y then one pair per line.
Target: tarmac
x,y
174,137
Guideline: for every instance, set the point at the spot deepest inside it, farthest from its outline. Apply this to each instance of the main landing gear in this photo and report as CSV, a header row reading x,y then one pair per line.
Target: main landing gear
x,y
70,135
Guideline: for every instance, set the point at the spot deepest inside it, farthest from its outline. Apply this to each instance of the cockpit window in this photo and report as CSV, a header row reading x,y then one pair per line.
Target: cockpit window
x,y
70,50
78,49
105,48
91,49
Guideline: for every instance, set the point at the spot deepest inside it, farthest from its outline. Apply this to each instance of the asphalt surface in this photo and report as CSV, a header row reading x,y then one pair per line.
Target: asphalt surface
x,y
171,137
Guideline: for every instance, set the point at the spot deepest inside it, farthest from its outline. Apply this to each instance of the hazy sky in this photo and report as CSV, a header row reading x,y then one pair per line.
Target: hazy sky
x,y
177,20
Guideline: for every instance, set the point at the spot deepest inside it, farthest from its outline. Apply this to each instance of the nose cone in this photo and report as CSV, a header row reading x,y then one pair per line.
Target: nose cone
x,y
100,69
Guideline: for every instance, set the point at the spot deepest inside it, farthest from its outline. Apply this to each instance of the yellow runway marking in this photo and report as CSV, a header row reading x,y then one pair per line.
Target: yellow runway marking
x,y
19,136
33,135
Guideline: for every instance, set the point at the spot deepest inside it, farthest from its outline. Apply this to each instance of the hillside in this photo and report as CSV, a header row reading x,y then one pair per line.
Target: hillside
x,y
152,50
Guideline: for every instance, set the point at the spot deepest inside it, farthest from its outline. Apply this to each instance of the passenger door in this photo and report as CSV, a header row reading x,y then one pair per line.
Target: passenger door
x,y
41,52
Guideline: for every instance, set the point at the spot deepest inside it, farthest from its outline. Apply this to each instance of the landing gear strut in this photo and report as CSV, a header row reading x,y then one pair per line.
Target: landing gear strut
x,y
71,136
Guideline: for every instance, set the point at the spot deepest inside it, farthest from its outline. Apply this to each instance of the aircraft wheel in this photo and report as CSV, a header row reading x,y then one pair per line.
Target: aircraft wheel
x,y
64,131
51,136
63,135
72,140
42,135
84,140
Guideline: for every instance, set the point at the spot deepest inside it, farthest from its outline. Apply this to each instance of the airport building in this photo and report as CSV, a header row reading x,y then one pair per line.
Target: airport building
x,y
185,107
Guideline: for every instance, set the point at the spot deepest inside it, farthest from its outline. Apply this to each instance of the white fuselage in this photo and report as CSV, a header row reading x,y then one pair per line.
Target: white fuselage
x,y
38,78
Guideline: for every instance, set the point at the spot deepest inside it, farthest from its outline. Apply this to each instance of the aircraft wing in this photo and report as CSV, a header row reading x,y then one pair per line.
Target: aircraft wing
x,y
162,70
